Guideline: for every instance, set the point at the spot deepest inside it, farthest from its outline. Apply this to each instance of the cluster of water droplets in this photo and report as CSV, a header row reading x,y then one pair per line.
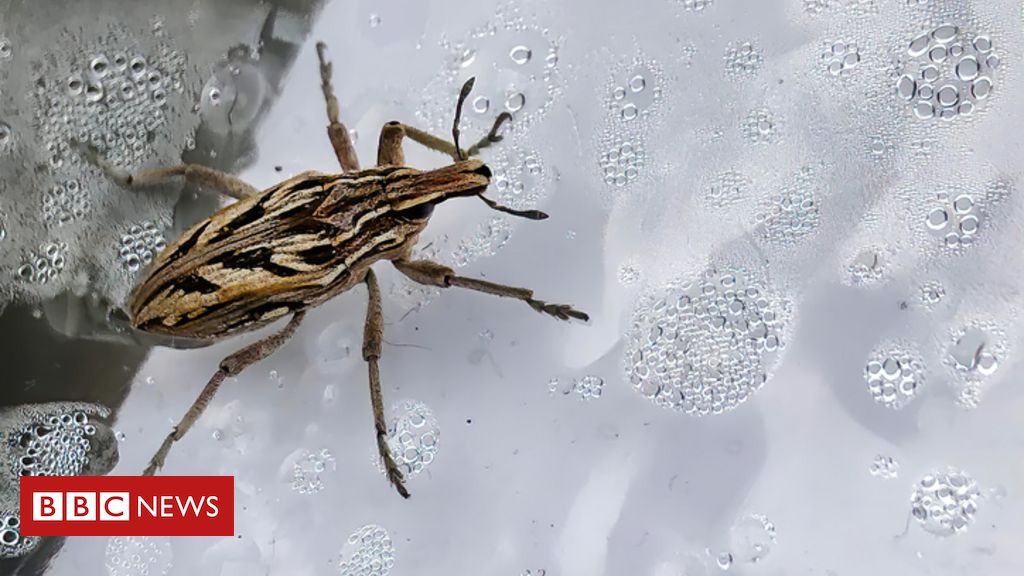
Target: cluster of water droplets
x,y
634,94
413,436
793,213
948,72
885,467
486,240
58,446
628,274
515,63
869,266
695,5
64,202
519,178
140,244
588,387
623,157
308,468
932,292
944,502
742,59
12,543
814,7
367,552
42,440
894,374
634,97
726,188
840,58
138,556
751,539
974,354
705,346
114,97
956,219
43,265
761,126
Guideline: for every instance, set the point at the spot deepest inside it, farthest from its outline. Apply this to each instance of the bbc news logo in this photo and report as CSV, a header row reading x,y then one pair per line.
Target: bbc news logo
x,y
127,506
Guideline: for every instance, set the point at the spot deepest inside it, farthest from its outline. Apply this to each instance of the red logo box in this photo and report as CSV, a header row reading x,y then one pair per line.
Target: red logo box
x,y
127,506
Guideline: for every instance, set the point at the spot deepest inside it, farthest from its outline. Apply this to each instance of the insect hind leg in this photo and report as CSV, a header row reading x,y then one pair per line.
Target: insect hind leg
x,y
193,173
230,366
336,131
373,335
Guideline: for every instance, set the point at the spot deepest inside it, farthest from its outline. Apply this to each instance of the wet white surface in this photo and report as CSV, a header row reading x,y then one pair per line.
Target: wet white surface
x,y
750,154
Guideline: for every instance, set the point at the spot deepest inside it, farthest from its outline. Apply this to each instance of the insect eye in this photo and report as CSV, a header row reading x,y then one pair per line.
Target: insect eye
x,y
417,212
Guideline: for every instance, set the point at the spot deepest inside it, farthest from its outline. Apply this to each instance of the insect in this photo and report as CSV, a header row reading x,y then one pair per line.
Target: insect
x,y
284,250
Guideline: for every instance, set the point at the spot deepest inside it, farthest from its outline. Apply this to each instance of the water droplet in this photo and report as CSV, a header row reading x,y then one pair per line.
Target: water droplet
x,y
906,87
981,88
751,539
968,68
520,54
481,104
514,102
919,45
948,96
374,20
945,33
100,66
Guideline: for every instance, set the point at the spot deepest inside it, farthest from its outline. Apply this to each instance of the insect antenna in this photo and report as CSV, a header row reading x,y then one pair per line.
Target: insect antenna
x,y
491,137
463,94
530,214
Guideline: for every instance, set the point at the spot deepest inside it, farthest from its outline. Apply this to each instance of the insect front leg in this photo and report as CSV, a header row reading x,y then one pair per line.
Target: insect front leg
x,y
373,335
336,131
434,274
389,150
437,143
194,173
230,366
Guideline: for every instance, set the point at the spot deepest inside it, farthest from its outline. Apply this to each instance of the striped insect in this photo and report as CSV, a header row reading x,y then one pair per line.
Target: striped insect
x,y
279,252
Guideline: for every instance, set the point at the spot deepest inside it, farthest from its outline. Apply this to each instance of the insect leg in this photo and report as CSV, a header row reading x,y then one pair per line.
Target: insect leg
x,y
194,173
492,137
391,136
336,131
434,274
373,334
230,366
389,148
443,146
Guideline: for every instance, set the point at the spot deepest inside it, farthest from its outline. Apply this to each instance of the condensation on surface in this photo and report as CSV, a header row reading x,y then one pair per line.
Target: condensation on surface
x,y
794,224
